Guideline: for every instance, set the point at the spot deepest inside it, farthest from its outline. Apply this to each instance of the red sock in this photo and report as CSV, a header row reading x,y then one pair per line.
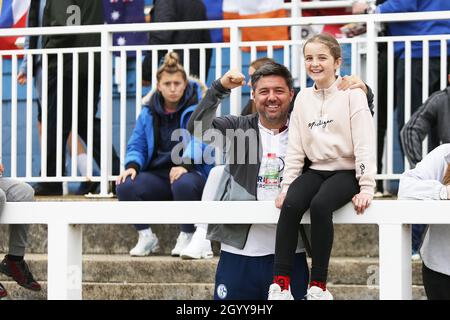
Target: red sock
x,y
282,281
321,285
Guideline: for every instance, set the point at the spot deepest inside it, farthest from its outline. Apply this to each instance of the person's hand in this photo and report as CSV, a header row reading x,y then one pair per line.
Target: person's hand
x,y
22,78
123,176
352,82
2,168
175,173
232,79
280,199
359,7
361,202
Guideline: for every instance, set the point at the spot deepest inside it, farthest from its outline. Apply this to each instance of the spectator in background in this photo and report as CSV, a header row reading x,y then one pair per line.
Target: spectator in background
x,y
60,13
176,11
35,17
13,265
407,29
381,103
430,180
151,173
214,12
434,113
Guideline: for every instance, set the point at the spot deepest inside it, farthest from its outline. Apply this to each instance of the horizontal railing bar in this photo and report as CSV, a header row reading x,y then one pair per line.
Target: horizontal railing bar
x,y
218,24
223,212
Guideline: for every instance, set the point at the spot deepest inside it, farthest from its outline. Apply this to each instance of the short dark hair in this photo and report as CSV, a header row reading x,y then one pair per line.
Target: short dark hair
x,y
272,69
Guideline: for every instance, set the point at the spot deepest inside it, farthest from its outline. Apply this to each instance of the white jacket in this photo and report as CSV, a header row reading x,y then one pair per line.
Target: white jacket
x,y
424,182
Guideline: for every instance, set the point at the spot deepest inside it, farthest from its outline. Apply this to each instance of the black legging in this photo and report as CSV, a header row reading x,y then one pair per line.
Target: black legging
x,y
322,192
437,285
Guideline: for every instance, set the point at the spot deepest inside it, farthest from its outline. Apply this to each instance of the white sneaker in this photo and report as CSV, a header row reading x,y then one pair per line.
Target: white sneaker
x,y
198,248
147,243
183,241
316,293
275,293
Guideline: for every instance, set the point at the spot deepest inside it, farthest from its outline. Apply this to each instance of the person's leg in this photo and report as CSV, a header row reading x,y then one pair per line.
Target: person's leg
x,y
297,202
437,285
238,277
188,187
336,191
14,265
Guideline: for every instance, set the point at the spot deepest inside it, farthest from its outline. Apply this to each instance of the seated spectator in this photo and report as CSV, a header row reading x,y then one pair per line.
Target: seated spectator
x,y
13,265
151,174
435,113
430,180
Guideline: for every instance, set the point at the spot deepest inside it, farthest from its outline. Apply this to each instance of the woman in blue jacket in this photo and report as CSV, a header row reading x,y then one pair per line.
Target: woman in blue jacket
x,y
151,173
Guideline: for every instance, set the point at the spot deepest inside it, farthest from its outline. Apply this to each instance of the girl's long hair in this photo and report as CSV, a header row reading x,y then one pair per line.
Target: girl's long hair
x,y
446,180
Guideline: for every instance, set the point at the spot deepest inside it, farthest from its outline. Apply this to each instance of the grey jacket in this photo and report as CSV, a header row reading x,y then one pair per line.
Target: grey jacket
x,y
434,113
238,182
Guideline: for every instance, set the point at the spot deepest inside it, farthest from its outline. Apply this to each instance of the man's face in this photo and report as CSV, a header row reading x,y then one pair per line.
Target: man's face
x,y
272,99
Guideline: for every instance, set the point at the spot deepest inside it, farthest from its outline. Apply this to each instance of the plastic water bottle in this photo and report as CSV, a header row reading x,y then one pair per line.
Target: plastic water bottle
x,y
272,177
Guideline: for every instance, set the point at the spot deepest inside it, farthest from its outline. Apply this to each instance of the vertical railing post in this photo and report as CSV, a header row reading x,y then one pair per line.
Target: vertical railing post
x,y
106,110
371,69
64,261
235,63
395,262
296,35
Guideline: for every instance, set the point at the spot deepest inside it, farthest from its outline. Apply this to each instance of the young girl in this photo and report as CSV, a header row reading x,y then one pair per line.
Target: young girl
x,y
151,174
333,129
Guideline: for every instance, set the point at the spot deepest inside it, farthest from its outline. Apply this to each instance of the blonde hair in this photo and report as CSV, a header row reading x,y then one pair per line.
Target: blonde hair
x,y
446,180
171,65
327,40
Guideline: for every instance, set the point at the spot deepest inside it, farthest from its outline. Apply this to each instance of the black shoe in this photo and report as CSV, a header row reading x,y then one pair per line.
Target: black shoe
x,y
20,272
3,293
88,187
48,189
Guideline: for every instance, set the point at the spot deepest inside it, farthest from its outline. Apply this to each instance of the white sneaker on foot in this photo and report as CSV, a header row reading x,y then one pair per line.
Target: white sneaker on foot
x,y
275,293
147,243
316,293
198,248
183,241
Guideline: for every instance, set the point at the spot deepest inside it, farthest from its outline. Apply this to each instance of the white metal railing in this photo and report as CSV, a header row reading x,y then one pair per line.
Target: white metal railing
x,y
64,220
363,51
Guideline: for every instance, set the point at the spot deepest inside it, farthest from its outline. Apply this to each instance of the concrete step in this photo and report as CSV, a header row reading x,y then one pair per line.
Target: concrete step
x,y
166,269
181,291
349,240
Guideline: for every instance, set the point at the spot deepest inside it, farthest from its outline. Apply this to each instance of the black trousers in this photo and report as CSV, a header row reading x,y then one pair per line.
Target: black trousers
x,y
67,121
322,192
437,285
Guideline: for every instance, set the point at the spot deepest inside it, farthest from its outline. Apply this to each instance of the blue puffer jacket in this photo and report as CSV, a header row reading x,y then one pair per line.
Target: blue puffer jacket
x,y
141,148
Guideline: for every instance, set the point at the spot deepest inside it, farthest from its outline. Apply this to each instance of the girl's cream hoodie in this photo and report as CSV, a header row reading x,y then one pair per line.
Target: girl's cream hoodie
x,y
335,130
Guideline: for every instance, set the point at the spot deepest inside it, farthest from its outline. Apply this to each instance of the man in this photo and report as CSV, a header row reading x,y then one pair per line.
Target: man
x,y
245,268
13,265
64,13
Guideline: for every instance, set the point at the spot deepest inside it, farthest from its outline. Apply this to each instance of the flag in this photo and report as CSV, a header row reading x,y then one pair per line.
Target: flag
x,y
256,9
13,14
126,11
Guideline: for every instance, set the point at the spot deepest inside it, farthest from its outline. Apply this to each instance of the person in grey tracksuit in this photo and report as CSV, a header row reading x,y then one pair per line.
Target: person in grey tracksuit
x,y
435,112
13,265
430,180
